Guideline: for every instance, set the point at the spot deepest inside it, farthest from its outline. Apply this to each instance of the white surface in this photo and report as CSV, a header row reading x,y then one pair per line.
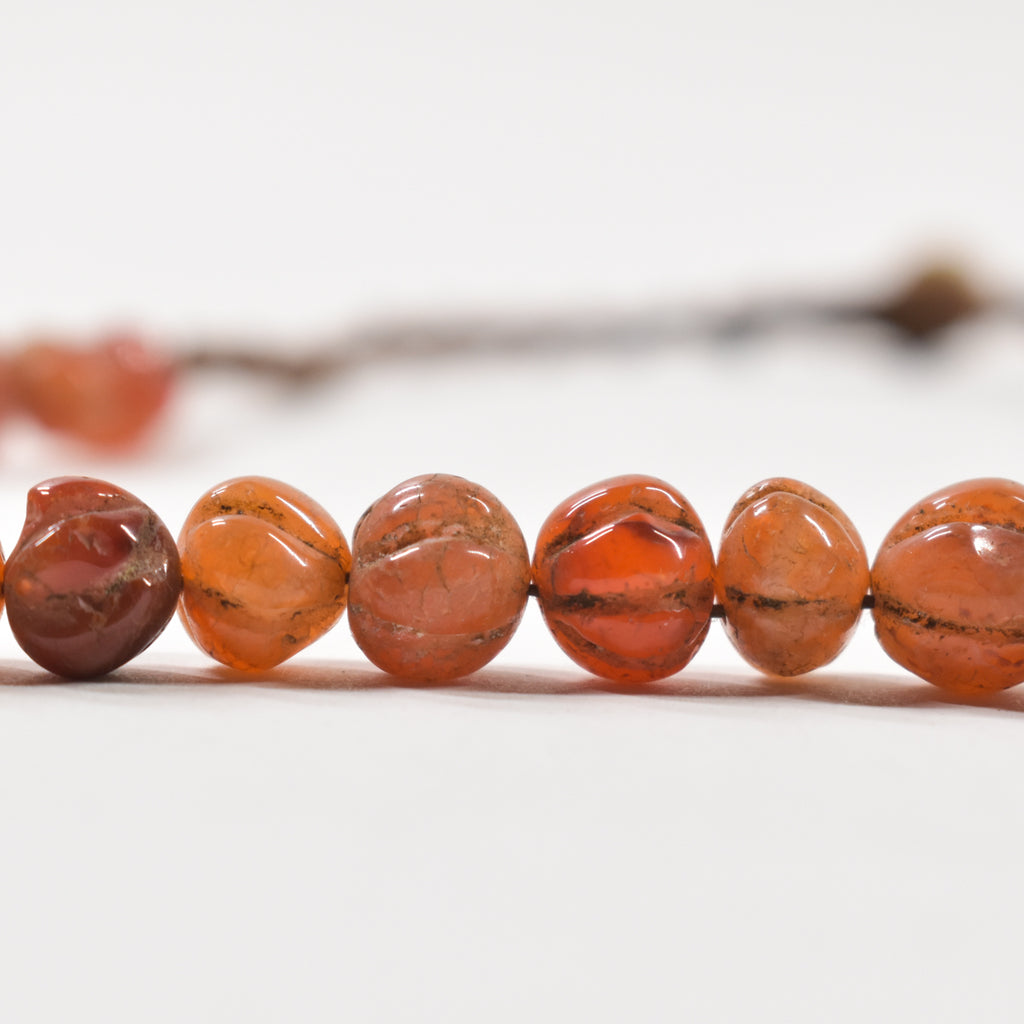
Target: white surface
x,y
528,845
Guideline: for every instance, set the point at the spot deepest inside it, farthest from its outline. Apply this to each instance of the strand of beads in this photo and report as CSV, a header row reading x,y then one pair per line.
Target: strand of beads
x,y
439,575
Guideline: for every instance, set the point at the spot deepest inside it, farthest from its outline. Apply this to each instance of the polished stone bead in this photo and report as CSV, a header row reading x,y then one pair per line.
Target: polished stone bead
x,y
949,587
93,579
440,578
265,572
625,578
792,575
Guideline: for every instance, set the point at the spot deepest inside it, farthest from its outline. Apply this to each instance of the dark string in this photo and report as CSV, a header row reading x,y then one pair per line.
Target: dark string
x,y
917,313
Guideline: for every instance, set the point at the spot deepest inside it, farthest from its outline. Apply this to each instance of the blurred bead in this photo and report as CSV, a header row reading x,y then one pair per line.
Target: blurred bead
x,y
949,587
10,402
93,579
624,575
108,395
792,575
440,578
265,572
938,297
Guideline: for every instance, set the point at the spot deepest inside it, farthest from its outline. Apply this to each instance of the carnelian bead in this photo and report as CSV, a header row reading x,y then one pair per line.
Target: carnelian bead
x,y
625,578
108,395
440,578
949,587
93,579
792,575
265,572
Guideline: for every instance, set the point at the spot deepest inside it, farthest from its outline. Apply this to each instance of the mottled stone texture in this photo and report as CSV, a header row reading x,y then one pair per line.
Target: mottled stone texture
x,y
625,578
93,579
792,575
265,572
949,587
440,578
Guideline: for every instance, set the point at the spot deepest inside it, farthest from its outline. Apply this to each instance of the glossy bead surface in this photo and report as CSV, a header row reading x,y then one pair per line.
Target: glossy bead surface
x,y
792,575
265,572
440,578
108,395
625,578
93,579
949,587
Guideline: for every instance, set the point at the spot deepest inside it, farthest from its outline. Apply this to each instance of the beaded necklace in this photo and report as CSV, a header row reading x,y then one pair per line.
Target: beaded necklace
x,y
439,573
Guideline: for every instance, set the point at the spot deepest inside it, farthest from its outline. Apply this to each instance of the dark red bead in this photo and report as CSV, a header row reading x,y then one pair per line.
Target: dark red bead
x,y
93,579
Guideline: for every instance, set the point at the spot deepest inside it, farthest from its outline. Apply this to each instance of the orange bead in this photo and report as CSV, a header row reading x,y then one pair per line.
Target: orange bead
x,y
265,572
625,578
440,578
949,587
108,395
792,575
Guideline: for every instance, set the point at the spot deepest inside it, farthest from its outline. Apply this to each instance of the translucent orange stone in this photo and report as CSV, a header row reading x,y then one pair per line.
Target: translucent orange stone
x,y
792,575
625,578
265,572
440,578
949,587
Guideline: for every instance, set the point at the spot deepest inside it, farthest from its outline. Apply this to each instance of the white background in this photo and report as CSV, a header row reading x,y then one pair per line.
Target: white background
x,y
176,844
